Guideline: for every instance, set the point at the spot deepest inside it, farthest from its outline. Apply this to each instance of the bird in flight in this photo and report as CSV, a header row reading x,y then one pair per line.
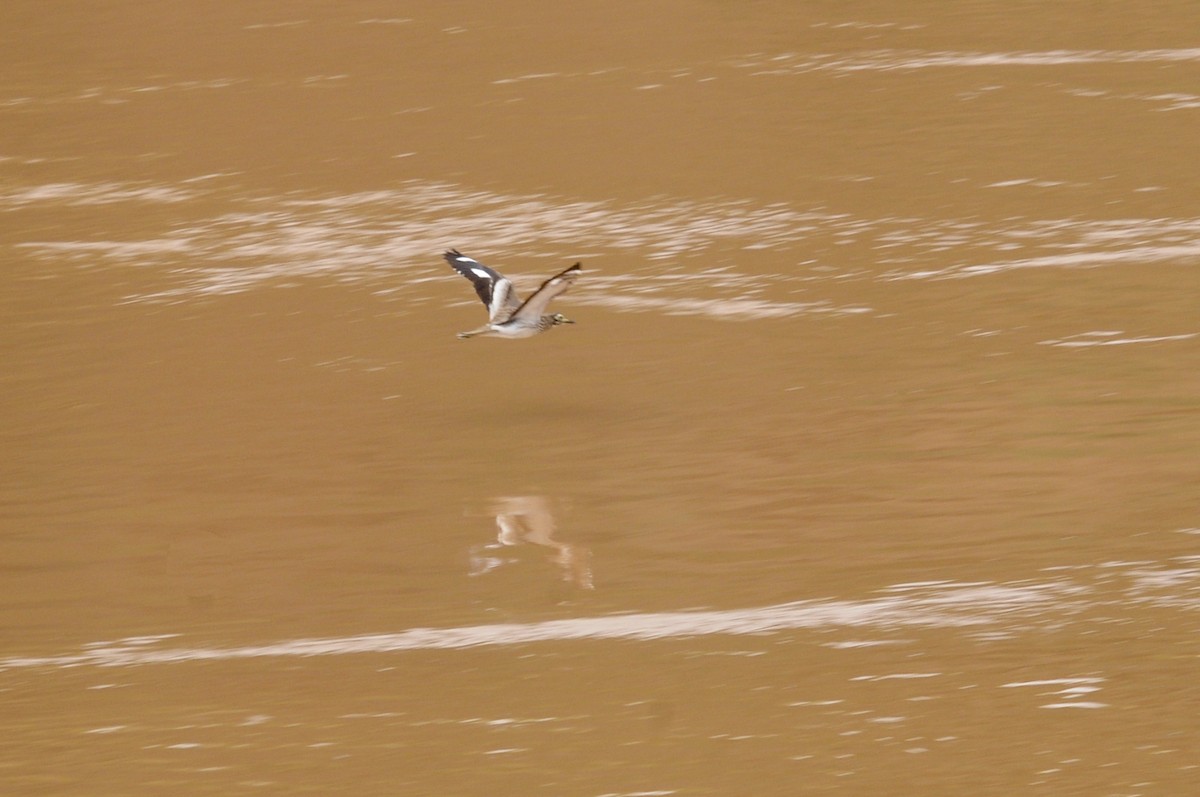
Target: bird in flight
x,y
508,316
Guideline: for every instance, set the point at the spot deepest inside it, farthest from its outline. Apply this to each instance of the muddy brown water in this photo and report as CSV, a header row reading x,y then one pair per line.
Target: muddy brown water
x,y
870,466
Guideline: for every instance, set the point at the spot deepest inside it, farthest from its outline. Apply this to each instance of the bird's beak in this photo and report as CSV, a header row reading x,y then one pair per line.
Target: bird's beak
x,y
566,321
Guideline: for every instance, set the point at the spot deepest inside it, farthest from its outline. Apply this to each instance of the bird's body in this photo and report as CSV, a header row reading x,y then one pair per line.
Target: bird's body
x,y
508,316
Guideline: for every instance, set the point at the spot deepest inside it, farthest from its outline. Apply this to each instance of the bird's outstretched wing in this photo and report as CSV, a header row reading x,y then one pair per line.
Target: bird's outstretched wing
x,y
494,289
536,304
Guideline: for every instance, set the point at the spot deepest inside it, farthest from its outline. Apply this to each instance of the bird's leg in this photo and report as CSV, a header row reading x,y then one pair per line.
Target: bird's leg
x,y
473,332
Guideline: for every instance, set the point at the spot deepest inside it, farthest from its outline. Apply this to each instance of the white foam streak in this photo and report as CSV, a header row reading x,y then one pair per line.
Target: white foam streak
x,y
1136,254
910,60
387,240
733,309
91,194
944,608
1090,339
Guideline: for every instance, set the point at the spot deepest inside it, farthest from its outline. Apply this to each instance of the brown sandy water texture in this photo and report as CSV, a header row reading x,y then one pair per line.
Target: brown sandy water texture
x,y
870,466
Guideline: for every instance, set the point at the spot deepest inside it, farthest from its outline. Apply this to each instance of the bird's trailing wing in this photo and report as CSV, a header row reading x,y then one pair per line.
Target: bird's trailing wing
x,y
536,304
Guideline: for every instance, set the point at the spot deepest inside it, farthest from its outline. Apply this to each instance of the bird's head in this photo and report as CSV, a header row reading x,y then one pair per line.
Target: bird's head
x,y
559,318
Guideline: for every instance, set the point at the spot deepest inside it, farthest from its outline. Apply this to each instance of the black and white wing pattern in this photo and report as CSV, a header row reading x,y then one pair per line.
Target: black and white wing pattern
x,y
535,305
493,288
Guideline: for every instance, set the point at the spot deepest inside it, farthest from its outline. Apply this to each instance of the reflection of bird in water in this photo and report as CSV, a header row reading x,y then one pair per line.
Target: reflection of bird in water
x,y
508,316
527,519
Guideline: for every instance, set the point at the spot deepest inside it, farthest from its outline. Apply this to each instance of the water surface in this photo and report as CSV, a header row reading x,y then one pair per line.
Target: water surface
x,y
870,461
